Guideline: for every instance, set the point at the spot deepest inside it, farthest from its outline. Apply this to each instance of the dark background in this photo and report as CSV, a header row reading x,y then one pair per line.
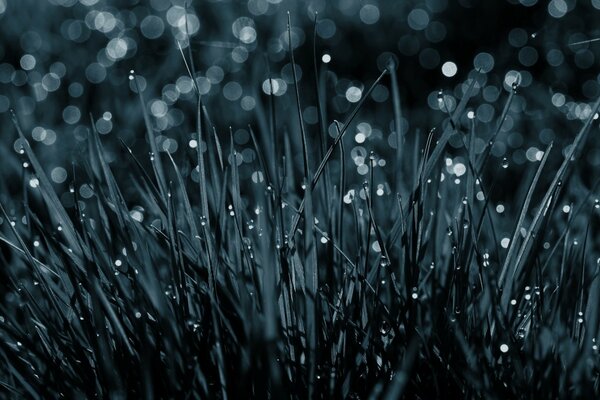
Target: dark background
x,y
70,39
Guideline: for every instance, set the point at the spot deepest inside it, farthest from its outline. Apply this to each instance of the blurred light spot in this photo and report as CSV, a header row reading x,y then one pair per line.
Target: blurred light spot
x,y
555,57
243,29
247,34
369,14
239,54
27,62
185,23
505,242
353,94
71,115
274,86
258,7
184,84
39,92
557,8
58,175
203,84
104,126
287,73
38,133
104,21
232,91
534,154
158,108
483,62
360,137
31,41
485,113
257,177
75,89
248,103
380,93
517,37
326,58
449,69
310,115
297,36
95,72
326,29
459,169
116,49
50,138
418,19
51,82
528,56
152,27
511,78
6,72
215,74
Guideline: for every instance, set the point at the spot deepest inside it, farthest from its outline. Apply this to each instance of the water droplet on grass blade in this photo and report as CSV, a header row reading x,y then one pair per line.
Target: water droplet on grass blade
x,y
384,262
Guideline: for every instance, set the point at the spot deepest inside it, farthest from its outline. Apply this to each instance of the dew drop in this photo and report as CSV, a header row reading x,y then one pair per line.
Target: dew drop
x,y
384,262
384,329
515,86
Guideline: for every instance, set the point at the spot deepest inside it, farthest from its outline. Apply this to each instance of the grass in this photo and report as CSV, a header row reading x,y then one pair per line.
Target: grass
x,y
295,287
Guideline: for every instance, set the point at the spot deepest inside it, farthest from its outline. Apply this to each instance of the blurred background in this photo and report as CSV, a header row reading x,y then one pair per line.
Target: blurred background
x,y
63,62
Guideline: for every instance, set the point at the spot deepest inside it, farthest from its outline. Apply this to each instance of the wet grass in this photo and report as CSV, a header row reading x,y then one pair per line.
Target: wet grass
x,y
294,286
